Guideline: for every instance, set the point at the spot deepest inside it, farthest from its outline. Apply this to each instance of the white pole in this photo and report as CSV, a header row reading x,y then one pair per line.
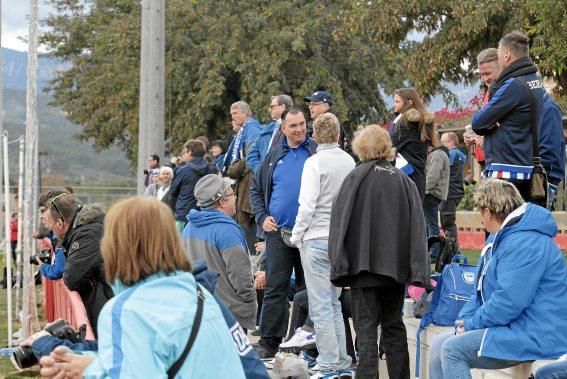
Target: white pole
x,y
20,223
151,132
7,215
1,84
30,164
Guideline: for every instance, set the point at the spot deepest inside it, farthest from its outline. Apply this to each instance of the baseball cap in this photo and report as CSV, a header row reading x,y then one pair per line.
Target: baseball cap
x,y
209,189
323,96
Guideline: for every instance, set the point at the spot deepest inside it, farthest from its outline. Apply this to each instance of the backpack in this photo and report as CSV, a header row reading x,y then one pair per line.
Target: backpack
x,y
441,250
455,287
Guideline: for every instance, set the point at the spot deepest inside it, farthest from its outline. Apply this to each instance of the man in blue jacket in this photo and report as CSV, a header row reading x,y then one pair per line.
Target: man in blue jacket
x,y
505,121
270,135
182,198
552,147
274,198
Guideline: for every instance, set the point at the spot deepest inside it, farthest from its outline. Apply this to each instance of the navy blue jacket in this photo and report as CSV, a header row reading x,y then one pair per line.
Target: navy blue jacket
x,y
552,141
182,199
508,147
261,188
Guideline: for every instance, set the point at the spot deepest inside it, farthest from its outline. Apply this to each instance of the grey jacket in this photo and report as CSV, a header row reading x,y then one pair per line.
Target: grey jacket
x,y
437,172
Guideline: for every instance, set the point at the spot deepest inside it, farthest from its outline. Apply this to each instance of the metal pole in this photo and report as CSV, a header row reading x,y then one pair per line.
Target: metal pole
x,y
30,165
1,85
7,248
20,223
151,132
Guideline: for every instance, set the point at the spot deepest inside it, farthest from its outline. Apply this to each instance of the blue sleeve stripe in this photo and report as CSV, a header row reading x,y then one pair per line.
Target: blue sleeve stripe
x,y
117,354
493,99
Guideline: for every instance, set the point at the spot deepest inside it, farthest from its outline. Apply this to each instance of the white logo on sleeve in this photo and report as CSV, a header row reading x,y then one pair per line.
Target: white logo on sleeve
x,y
240,339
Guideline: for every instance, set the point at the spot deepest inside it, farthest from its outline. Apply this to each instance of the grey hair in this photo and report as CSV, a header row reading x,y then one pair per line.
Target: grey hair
x,y
243,107
487,55
498,196
284,100
326,127
168,169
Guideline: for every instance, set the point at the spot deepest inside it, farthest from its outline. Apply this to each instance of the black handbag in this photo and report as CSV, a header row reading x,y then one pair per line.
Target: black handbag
x,y
538,179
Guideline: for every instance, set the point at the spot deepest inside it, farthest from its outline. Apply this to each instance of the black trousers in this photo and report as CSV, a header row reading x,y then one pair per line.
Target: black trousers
x,y
372,306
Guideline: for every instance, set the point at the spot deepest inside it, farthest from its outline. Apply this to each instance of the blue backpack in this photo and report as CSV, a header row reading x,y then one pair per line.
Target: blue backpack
x,y
455,287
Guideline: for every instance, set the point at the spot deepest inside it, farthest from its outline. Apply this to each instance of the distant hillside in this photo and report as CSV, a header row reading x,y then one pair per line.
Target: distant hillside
x,y
15,66
76,162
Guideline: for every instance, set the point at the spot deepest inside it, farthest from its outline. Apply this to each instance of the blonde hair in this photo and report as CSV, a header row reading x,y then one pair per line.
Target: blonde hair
x,y
373,142
326,128
140,239
498,196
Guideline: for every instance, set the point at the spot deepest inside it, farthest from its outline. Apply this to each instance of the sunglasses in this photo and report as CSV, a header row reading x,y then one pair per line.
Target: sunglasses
x,y
52,202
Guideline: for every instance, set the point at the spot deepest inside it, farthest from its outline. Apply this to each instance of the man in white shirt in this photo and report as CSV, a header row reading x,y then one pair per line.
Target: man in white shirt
x,y
323,175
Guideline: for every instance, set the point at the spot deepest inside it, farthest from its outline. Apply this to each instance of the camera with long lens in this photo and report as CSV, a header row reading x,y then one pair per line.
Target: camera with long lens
x,y
23,356
44,256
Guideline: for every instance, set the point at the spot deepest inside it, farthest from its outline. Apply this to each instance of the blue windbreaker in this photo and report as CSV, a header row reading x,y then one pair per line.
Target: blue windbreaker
x,y
144,329
521,295
259,149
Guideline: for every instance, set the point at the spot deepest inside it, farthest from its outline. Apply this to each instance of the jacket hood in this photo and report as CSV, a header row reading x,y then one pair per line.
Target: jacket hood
x,y
205,277
89,213
207,217
528,217
442,148
199,164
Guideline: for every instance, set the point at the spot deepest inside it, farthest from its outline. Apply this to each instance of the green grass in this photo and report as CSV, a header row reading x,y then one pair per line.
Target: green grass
x,y
472,255
7,370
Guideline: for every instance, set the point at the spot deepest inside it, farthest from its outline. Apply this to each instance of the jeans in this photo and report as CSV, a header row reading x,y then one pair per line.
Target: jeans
x,y
431,212
454,356
372,306
555,370
280,261
448,211
324,307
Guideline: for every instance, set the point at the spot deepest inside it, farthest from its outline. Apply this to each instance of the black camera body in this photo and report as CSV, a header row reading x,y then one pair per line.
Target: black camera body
x,y
44,256
23,357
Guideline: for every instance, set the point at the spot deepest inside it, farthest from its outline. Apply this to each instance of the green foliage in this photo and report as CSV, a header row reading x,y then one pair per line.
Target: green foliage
x,y
221,52
467,202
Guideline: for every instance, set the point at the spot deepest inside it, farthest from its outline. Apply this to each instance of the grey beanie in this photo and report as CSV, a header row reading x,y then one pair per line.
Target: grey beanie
x,y
209,189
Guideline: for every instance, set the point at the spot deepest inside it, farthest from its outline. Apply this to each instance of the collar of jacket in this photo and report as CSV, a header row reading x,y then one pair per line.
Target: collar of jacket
x,y
521,66
304,144
327,146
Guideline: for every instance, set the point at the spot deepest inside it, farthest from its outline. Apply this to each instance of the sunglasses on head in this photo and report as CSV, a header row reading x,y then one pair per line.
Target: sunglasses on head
x,y
51,202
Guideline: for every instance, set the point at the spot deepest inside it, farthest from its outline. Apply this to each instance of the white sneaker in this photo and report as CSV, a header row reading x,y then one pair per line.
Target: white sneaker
x,y
330,375
301,340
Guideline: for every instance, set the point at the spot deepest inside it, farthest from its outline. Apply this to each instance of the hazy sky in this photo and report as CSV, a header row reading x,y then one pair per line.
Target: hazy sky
x,y
15,22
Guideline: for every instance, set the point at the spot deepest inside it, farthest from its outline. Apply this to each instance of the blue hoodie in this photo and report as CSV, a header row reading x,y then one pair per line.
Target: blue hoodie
x,y
521,295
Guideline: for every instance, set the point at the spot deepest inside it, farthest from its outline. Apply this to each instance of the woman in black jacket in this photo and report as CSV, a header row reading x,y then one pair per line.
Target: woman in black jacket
x,y
378,247
409,135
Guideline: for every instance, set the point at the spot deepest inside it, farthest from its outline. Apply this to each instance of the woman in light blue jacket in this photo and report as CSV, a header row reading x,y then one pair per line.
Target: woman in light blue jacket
x,y
518,311
144,329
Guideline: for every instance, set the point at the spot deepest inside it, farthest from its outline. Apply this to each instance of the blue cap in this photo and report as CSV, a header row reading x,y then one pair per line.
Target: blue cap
x,y
322,96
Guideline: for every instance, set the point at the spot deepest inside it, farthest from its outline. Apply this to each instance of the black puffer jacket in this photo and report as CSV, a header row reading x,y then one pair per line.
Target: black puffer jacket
x,y
84,271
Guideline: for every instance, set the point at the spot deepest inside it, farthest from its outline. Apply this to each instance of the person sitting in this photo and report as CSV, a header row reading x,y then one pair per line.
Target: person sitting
x,y
145,328
518,311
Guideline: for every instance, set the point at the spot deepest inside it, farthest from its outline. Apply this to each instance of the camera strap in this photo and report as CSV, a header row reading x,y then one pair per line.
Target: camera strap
x,y
174,369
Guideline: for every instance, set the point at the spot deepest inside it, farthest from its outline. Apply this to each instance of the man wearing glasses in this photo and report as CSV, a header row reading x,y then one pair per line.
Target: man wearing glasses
x,y
80,228
321,102
213,236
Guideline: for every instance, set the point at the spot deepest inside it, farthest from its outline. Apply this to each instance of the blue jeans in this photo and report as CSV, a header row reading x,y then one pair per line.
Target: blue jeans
x,y
555,370
324,307
431,212
453,357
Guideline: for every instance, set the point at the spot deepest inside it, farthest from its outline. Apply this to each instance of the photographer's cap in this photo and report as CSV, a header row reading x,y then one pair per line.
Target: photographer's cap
x,y
209,189
322,96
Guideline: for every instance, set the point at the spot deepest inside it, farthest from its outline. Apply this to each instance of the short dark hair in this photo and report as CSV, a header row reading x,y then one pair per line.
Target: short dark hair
x,y
517,43
155,157
64,206
220,143
48,195
291,110
196,148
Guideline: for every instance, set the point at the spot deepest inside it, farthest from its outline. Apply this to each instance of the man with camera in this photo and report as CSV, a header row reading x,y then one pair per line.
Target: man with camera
x,y
80,229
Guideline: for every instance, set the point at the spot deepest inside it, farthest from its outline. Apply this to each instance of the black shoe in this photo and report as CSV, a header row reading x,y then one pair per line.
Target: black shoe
x,y
255,333
264,353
